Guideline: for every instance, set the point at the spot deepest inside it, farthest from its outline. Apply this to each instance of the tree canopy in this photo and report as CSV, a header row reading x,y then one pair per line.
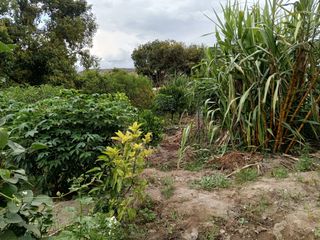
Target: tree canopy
x,y
50,36
159,59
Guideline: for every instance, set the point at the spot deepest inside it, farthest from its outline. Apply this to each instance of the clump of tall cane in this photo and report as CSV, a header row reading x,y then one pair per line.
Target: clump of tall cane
x,y
265,69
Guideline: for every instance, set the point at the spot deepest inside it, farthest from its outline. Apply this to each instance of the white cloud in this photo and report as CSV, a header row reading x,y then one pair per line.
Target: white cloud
x,y
124,24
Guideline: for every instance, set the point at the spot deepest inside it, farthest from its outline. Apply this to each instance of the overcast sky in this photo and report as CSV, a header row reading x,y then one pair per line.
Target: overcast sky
x,y
125,24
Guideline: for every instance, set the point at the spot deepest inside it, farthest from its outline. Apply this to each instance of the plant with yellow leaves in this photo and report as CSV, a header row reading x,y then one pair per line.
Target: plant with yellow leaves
x,y
117,182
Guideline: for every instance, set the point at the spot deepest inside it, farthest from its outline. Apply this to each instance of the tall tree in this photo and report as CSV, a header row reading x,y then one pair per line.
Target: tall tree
x,y
51,36
159,59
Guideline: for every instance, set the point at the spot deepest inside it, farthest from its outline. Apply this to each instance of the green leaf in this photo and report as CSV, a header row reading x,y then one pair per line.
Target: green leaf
x,y
5,47
38,146
13,218
13,207
33,229
42,199
16,148
8,235
3,224
27,196
9,189
4,136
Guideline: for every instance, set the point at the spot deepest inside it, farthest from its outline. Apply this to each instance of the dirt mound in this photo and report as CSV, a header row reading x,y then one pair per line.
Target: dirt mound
x,y
235,160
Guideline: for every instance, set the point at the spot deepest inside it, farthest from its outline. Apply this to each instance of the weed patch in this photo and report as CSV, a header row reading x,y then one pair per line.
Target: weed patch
x,y
247,175
280,173
168,188
212,182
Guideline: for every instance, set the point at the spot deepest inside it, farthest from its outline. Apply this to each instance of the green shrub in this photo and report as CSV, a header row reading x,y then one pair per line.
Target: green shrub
x,y
22,214
151,123
137,88
74,127
115,182
171,99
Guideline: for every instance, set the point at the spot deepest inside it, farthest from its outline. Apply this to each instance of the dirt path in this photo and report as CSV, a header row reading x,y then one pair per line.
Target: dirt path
x,y
264,209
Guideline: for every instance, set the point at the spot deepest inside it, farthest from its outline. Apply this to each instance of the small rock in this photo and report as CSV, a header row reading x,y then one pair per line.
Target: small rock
x,y
222,231
190,234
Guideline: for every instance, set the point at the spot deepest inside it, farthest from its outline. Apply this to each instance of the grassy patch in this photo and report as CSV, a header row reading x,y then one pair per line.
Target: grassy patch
x,y
212,182
247,175
210,234
304,164
168,188
280,173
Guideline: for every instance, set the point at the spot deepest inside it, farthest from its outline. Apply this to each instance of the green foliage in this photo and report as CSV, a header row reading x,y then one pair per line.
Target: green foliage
x,y
153,124
137,88
28,94
115,182
97,227
74,128
21,213
280,172
148,215
247,175
264,73
160,59
305,164
50,37
212,182
183,144
171,99
168,188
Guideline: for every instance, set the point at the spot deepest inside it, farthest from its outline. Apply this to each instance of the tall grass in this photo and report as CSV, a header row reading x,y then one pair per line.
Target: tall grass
x,y
264,70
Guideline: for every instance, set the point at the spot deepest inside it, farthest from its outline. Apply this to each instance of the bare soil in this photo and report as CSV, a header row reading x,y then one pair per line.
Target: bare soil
x,y
268,208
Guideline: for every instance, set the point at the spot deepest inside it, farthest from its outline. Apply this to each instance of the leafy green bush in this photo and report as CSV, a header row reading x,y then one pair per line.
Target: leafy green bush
x,y
116,180
171,99
137,88
22,214
74,127
151,123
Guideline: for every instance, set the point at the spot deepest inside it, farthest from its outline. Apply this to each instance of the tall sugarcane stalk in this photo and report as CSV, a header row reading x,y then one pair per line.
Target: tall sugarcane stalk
x,y
265,70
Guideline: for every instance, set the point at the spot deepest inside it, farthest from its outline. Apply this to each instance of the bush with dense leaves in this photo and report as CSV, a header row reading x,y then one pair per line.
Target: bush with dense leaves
x,y
116,182
171,99
74,127
137,88
22,214
153,124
